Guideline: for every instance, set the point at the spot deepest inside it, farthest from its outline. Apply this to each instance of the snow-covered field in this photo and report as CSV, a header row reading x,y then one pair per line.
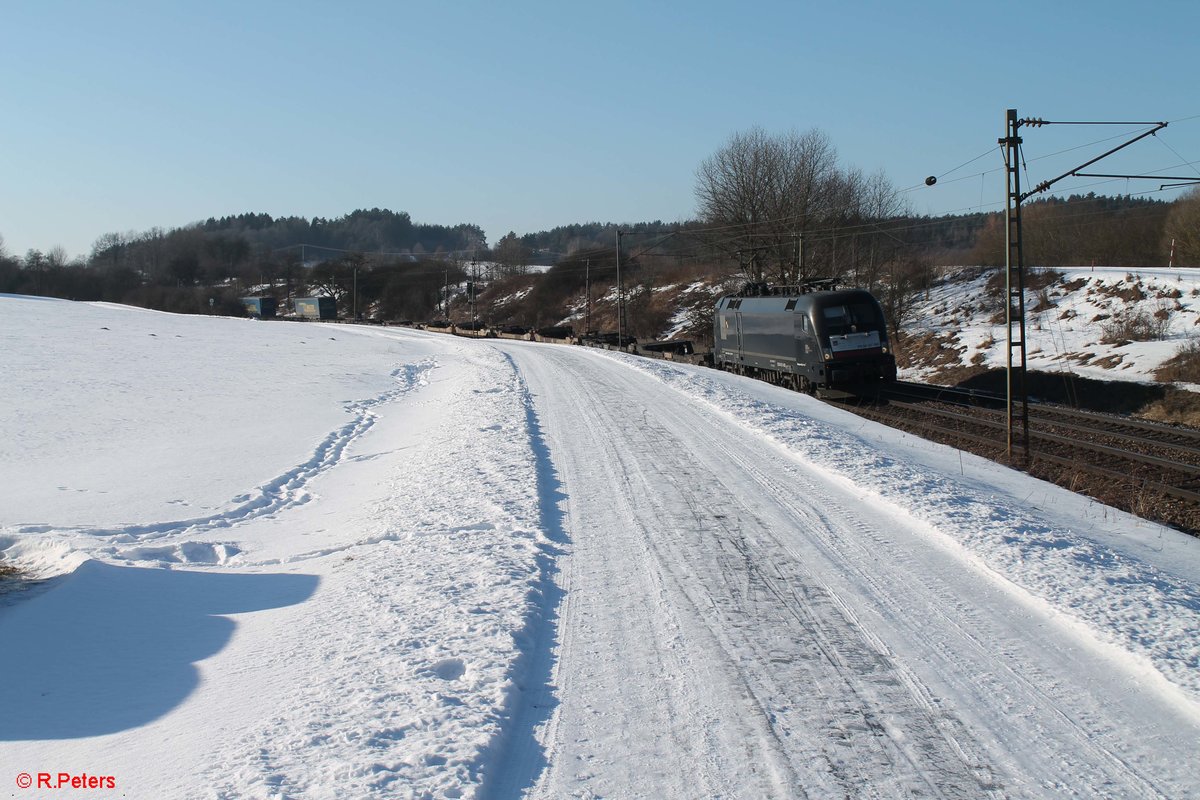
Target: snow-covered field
x,y
302,560
1066,323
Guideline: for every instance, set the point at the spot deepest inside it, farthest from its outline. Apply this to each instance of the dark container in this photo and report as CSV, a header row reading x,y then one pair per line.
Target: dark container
x,y
679,347
260,307
316,308
556,332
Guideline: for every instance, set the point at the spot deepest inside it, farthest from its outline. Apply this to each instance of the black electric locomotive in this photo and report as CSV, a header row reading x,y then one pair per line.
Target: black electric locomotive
x,y
823,341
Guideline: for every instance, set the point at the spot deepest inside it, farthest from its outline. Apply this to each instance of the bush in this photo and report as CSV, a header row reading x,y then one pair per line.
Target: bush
x,y
1137,326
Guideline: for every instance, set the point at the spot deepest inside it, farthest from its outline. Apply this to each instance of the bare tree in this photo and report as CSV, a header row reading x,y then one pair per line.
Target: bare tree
x,y
336,278
903,280
735,188
56,257
108,251
512,255
776,201
874,245
809,161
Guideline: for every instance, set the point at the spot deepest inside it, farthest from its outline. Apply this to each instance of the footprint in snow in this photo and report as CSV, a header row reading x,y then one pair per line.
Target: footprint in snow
x,y
449,669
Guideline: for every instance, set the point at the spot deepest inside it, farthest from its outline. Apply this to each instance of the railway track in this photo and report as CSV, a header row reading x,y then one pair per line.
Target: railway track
x,y
1149,469
1146,468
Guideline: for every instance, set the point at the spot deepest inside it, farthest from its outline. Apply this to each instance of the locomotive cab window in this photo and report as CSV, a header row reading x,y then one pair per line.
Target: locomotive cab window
x,y
850,318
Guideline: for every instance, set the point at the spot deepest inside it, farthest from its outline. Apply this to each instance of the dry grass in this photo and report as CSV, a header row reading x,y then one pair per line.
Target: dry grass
x,y
1177,408
1044,301
1183,367
941,353
1034,280
1137,326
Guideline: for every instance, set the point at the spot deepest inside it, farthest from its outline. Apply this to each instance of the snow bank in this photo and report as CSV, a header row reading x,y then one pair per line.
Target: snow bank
x,y
284,559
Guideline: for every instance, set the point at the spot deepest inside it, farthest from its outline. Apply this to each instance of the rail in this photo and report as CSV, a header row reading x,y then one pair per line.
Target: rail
x,y
1129,460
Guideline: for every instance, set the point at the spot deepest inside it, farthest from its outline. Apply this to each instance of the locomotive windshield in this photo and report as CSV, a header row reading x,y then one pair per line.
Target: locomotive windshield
x,y
850,318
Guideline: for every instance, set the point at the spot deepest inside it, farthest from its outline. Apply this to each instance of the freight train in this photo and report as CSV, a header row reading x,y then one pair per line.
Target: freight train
x,y
810,338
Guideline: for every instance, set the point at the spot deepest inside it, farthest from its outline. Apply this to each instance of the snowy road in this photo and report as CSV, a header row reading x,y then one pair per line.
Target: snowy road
x,y
310,561
736,625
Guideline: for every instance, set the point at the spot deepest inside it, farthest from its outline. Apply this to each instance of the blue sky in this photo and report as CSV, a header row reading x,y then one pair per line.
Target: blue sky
x,y
123,116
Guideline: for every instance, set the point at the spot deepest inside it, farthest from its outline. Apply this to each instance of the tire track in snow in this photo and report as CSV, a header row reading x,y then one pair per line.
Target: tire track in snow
x,y
1086,743
1035,713
858,719
1015,543
731,655
625,661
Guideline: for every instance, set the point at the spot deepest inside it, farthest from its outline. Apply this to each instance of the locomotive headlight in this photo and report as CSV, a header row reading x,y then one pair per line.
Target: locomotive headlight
x,y
828,356
885,348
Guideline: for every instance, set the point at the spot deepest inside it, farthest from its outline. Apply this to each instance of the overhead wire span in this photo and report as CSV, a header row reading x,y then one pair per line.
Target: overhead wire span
x,y
972,176
822,234
1184,161
984,154
363,252
831,232
1081,146
940,178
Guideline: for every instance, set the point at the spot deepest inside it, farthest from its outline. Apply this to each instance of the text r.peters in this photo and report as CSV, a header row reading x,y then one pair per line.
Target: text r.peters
x,y
65,780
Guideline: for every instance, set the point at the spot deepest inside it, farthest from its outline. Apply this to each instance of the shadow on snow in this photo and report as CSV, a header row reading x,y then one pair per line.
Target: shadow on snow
x,y
520,757
112,648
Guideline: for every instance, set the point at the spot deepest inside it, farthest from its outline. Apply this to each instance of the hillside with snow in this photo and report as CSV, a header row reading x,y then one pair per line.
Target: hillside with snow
x,y
1102,323
301,560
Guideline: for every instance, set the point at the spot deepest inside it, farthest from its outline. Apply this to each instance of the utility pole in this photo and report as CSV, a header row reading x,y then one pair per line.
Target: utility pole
x,y
356,292
620,307
1014,288
474,291
445,293
333,289
1014,255
587,293
799,236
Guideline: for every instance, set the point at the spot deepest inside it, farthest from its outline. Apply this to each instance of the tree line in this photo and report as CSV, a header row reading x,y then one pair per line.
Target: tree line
x,y
373,230
1092,229
778,208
